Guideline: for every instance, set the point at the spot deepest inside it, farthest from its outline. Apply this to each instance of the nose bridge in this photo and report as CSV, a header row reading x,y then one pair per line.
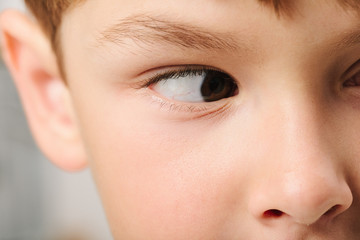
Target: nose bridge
x,y
302,149
297,121
304,180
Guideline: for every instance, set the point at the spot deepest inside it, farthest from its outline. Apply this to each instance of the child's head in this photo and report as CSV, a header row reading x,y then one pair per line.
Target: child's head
x,y
200,119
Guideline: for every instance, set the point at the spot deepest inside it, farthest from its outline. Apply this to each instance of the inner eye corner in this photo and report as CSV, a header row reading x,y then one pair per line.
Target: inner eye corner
x,y
349,83
352,80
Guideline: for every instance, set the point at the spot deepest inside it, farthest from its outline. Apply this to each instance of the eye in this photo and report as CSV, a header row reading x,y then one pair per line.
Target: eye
x,y
194,85
353,81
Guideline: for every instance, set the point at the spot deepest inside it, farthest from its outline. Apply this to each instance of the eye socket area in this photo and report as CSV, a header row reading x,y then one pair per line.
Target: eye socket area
x,y
194,85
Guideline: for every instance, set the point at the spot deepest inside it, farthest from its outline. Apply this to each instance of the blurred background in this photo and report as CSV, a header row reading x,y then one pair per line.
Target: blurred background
x,y
37,200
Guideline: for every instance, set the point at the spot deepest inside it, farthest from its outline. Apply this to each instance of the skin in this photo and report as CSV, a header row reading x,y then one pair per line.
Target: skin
x,y
287,142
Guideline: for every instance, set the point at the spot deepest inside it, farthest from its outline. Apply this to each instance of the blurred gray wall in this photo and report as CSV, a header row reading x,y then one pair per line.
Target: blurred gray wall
x,y
37,200
18,4
20,171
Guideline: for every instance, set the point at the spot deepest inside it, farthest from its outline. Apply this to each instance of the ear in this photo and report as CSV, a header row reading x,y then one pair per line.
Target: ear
x,y
45,97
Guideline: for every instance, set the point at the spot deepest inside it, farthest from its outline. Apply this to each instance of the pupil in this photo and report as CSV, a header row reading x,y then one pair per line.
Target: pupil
x,y
216,85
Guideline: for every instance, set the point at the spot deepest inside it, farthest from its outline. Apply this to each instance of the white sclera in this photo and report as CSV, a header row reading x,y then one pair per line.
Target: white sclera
x,y
184,89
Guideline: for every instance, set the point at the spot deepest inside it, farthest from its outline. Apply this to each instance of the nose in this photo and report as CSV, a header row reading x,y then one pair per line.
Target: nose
x,y
303,197
301,179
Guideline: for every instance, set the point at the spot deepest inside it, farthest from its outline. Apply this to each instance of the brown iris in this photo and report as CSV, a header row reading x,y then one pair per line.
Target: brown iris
x,y
218,85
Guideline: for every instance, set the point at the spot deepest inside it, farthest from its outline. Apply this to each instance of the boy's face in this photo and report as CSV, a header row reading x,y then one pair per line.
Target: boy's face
x,y
273,152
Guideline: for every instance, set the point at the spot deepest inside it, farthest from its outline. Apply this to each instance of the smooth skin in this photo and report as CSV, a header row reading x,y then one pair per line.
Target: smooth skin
x,y
278,160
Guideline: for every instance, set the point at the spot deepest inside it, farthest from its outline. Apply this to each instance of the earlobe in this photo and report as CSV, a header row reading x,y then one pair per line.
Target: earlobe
x,y
46,99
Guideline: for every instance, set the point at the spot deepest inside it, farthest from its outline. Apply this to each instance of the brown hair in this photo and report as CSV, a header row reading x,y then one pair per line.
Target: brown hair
x,y
49,12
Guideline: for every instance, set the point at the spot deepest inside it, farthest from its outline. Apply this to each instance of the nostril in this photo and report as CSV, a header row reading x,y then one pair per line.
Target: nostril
x,y
273,213
332,210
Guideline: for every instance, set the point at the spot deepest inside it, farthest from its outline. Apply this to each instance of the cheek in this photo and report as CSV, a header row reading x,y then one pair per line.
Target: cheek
x,y
157,178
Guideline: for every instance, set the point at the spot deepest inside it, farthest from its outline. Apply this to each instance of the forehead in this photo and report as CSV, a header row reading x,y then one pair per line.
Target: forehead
x,y
200,8
279,6
288,6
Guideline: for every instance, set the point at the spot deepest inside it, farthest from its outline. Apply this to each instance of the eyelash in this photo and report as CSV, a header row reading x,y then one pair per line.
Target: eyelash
x,y
178,73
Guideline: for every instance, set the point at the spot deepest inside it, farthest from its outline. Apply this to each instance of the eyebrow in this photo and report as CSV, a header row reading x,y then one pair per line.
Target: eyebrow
x,y
157,30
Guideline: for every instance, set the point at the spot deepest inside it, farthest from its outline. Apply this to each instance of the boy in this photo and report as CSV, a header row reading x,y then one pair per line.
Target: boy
x,y
200,119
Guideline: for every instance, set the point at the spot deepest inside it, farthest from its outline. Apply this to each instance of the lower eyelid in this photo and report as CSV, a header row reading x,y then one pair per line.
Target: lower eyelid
x,y
185,111
181,107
